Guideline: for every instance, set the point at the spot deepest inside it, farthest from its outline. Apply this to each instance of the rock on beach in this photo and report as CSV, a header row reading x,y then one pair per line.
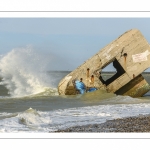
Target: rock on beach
x,y
139,123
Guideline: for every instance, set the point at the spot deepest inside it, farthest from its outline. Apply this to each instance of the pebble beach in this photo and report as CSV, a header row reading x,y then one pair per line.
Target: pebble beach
x,y
138,124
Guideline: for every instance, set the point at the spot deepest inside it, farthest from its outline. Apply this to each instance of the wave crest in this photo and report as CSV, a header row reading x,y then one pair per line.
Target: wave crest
x,y
24,72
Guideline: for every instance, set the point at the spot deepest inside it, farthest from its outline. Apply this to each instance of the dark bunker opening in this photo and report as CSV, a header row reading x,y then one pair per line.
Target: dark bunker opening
x,y
119,71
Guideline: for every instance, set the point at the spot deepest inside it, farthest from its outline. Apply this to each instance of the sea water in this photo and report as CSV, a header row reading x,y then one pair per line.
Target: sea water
x,y
29,100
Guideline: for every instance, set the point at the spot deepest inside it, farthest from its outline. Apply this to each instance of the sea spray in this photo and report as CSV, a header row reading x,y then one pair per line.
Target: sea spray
x,y
24,72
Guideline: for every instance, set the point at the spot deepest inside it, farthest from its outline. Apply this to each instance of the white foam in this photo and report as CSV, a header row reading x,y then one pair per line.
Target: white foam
x,y
33,120
37,121
27,121
24,72
96,114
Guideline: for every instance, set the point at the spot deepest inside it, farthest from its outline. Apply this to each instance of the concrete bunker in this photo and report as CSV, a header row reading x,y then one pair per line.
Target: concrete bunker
x,y
130,55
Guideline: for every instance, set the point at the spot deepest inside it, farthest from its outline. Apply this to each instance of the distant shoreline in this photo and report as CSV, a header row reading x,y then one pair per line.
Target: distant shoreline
x,y
104,73
112,72
109,72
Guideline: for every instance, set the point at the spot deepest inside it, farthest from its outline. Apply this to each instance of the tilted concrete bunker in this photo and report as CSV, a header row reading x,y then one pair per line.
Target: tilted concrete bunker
x,y
130,54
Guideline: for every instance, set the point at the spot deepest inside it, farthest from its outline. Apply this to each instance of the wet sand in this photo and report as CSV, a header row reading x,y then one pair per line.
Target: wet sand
x,y
138,124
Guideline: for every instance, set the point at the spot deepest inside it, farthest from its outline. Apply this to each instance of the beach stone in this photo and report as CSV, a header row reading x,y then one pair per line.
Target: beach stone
x,y
139,123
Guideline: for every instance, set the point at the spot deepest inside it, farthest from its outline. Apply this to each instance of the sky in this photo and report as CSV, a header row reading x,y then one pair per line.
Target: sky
x,y
69,41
